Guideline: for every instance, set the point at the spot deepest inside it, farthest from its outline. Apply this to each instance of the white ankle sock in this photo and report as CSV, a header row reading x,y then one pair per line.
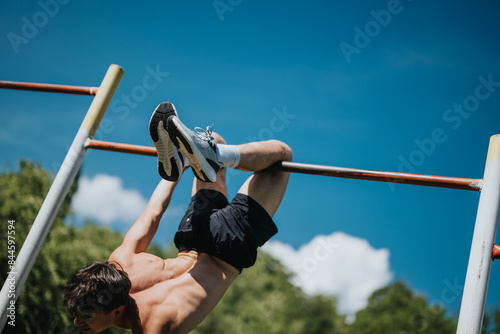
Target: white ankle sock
x,y
229,155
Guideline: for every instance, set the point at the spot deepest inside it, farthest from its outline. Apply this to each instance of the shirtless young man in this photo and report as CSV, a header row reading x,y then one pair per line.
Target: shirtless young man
x,y
216,239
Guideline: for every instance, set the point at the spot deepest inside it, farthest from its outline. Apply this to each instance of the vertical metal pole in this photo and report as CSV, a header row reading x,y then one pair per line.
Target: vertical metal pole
x,y
478,271
57,192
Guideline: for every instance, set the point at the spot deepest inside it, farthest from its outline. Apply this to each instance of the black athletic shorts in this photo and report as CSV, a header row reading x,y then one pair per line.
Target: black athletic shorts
x,y
231,232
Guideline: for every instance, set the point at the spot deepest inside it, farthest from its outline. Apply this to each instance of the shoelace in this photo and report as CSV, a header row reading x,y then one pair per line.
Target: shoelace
x,y
204,134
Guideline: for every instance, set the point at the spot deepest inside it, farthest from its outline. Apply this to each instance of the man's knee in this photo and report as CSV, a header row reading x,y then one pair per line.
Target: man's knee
x,y
286,151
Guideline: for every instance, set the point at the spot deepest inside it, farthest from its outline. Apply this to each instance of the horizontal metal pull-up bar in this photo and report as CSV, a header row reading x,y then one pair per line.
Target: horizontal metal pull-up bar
x,y
374,175
351,173
41,87
120,147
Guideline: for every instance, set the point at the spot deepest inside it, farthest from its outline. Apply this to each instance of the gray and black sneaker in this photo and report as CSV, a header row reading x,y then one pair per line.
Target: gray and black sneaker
x,y
198,146
171,162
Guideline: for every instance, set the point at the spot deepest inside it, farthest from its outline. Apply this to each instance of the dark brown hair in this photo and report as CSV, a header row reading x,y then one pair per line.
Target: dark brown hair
x,y
96,287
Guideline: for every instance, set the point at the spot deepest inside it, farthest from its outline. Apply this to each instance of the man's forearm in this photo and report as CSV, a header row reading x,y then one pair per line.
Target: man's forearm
x,y
144,229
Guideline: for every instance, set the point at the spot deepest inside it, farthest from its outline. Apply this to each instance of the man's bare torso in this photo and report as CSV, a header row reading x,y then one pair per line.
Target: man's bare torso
x,y
174,295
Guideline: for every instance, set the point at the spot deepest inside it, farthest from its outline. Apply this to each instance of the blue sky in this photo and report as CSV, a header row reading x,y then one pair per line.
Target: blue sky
x,y
385,85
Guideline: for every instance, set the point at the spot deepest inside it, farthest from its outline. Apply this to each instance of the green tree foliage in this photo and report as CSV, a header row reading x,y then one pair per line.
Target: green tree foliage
x,y
491,322
395,309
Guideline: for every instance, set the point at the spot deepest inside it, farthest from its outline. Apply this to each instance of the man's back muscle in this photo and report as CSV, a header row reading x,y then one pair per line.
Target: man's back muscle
x,y
175,294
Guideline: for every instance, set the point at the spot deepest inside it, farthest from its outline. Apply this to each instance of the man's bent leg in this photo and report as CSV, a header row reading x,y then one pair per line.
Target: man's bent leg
x,y
256,156
265,186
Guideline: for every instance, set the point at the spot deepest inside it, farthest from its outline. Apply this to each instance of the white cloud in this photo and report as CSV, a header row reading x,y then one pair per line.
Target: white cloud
x,y
339,265
104,199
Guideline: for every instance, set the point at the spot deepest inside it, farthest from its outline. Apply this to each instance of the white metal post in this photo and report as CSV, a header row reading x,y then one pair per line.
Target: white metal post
x,y
478,271
57,192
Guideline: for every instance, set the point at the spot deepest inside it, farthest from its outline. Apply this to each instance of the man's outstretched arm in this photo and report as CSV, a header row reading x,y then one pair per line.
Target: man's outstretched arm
x,y
139,236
